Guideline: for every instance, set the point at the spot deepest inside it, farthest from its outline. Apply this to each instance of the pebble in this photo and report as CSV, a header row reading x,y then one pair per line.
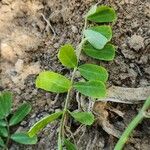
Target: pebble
x,y
8,53
74,29
56,45
147,70
136,42
19,65
143,59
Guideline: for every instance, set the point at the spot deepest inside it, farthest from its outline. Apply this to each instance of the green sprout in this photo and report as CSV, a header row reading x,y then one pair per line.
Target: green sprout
x,y
96,43
9,119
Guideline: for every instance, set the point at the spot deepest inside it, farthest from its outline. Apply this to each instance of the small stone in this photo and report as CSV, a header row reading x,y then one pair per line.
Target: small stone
x,y
56,45
132,65
128,53
19,65
134,24
136,42
8,53
143,59
147,70
74,29
23,123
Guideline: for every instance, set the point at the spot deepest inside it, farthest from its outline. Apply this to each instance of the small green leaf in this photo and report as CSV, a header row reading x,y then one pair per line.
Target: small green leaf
x,y
96,39
94,89
37,127
2,142
103,14
20,114
93,72
23,138
107,53
86,118
69,145
67,56
5,104
3,123
91,11
53,82
104,30
3,132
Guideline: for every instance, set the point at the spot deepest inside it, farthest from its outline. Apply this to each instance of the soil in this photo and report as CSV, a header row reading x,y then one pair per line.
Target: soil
x,y
31,33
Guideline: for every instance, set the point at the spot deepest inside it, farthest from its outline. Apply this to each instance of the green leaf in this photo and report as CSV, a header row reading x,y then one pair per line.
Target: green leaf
x,y
5,104
91,11
2,142
104,30
3,132
93,72
53,82
96,39
69,145
67,56
107,53
23,138
3,123
86,118
94,89
37,127
20,114
103,14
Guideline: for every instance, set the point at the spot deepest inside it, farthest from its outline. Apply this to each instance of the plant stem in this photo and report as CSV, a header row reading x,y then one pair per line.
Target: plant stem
x,y
120,144
8,137
63,119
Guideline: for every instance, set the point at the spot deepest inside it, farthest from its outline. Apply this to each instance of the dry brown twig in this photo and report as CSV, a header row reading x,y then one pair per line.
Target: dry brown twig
x,y
127,95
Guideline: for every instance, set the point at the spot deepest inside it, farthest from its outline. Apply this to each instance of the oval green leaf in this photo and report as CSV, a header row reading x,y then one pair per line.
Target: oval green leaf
x,y
103,14
106,54
67,56
37,127
86,118
94,89
5,104
93,72
23,138
53,82
91,11
3,123
3,132
105,30
69,145
2,142
96,39
20,114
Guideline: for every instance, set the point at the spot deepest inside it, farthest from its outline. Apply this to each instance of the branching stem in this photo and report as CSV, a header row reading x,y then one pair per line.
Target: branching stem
x,y
63,119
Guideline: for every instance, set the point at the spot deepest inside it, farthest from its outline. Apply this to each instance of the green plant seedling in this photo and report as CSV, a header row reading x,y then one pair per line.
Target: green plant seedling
x,y
95,42
8,119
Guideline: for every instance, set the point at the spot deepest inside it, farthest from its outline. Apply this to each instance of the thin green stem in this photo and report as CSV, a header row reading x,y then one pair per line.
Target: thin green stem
x,y
125,136
63,119
8,137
